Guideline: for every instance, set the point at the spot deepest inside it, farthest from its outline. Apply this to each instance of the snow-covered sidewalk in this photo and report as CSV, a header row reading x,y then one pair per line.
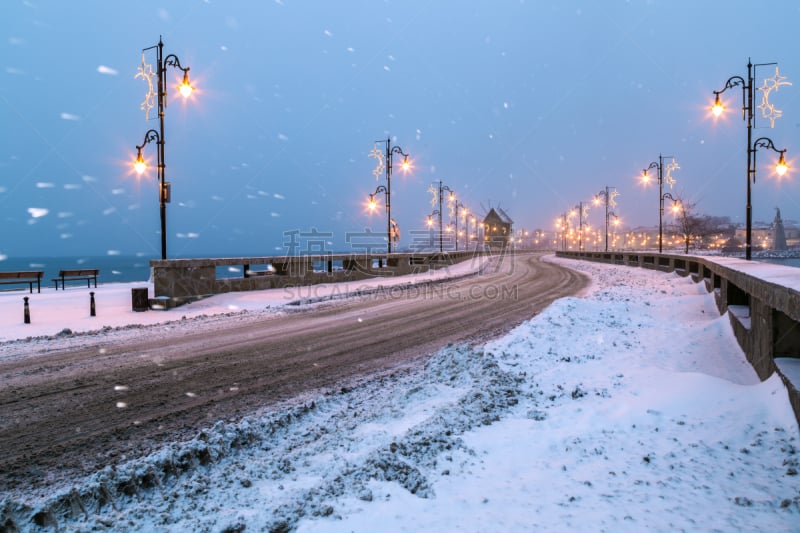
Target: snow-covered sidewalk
x,y
629,409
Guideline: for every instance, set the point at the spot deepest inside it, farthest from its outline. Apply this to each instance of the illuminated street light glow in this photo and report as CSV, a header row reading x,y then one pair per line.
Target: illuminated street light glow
x,y
781,168
718,108
371,204
140,165
185,87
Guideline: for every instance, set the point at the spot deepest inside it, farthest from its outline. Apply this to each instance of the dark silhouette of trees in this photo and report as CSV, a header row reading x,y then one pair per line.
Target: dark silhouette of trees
x,y
694,227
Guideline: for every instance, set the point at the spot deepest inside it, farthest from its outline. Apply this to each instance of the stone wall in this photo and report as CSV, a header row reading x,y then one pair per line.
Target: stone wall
x,y
177,281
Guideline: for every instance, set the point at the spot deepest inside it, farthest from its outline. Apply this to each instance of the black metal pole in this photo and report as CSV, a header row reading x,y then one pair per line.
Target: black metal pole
x,y
660,200
389,194
161,164
455,234
441,249
748,246
606,249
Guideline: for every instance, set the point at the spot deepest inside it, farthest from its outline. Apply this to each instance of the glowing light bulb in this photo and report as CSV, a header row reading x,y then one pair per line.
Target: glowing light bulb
x,y
185,87
139,165
781,167
406,166
430,222
717,108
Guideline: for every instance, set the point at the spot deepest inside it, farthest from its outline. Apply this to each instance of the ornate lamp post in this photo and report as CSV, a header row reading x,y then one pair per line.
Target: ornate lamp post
x,y
385,165
582,211
562,223
769,112
608,197
672,165
437,197
160,95
465,214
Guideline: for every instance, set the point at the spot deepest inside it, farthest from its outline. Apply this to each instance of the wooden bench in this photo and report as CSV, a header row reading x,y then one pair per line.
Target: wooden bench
x,y
28,277
87,274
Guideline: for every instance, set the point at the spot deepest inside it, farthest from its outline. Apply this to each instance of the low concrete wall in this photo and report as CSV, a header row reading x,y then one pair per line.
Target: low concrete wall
x,y
764,315
177,281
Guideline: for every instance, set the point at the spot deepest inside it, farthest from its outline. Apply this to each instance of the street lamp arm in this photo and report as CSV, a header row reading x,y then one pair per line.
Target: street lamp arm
x,y
398,150
379,188
766,142
651,165
733,81
150,136
173,61
669,196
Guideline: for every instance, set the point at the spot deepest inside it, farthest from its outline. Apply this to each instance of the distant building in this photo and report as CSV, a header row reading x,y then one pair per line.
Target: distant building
x,y
497,228
765,236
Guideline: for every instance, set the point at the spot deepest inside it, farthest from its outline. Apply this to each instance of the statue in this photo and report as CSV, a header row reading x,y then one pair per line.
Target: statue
x,y
780,235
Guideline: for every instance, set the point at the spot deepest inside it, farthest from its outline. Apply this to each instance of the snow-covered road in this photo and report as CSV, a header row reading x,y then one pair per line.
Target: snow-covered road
x,y
628,409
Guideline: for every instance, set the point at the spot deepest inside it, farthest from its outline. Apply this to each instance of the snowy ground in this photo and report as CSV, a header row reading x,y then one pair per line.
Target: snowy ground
x,y
630,408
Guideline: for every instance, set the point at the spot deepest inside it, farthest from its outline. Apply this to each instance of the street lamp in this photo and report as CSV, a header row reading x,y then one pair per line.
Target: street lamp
x,y
608,196
456,205
562,223
160,95
582,211
769,112
672,165
451,198
475,228
386,165
465,214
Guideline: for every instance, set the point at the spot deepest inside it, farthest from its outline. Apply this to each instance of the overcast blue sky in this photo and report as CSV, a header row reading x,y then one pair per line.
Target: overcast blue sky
x,y
530,105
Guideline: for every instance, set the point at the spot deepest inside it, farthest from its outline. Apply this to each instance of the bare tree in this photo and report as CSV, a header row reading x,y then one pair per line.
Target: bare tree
x,y
692,226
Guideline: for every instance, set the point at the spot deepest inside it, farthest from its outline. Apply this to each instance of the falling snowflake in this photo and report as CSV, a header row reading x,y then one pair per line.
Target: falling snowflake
x,y
146,72
38,212
768,110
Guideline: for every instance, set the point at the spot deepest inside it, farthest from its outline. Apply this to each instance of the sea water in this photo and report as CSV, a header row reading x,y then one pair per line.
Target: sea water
x,y
785,261
113,268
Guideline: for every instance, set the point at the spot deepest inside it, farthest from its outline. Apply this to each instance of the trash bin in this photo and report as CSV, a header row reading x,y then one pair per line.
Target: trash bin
x,y
139,299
